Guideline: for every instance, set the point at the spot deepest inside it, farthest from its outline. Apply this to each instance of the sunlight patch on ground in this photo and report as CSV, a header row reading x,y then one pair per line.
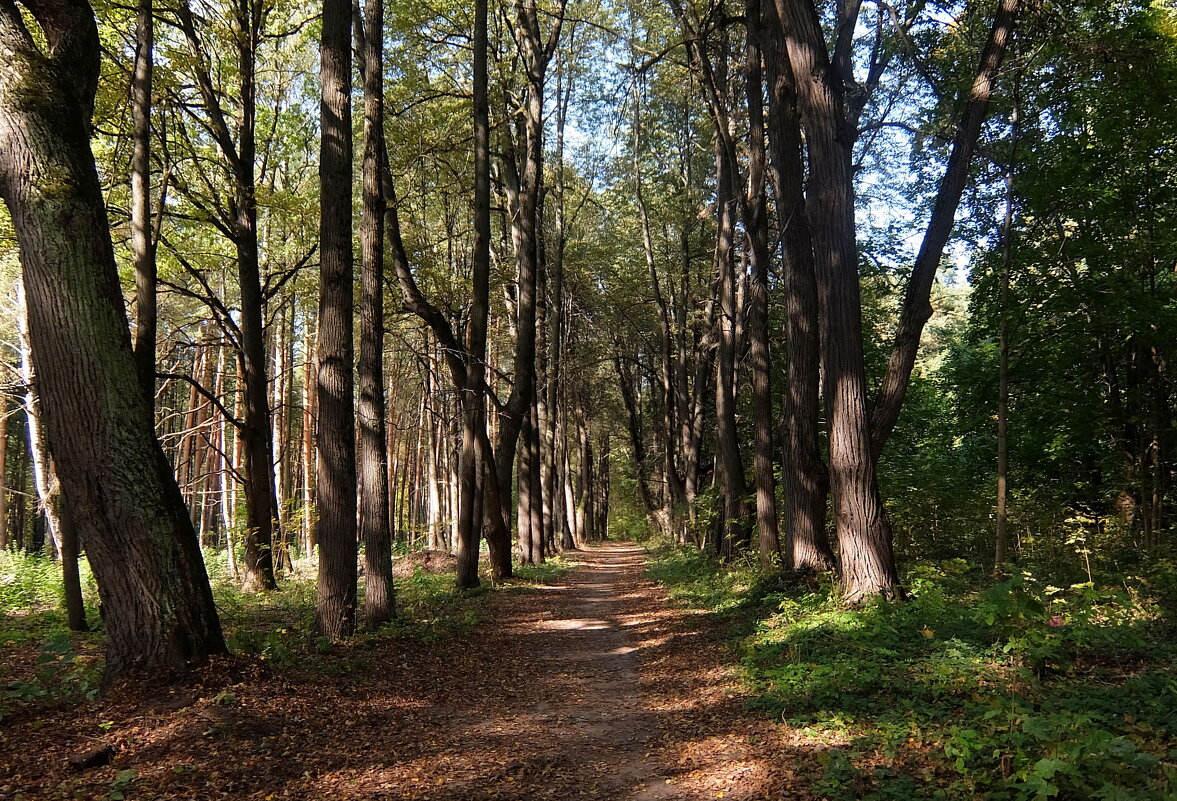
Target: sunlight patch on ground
x,y
569,624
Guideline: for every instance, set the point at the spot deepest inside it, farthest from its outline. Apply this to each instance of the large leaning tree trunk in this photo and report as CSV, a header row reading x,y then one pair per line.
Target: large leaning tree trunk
x,y
118,485
336,532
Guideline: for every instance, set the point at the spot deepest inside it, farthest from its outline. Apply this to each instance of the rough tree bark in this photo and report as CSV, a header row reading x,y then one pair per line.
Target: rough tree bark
x,y
806,481
373,468
864,543
756,225
159,610
336,530
62,533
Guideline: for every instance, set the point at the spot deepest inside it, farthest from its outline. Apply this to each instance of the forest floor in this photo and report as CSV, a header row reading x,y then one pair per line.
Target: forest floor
x,y
591,687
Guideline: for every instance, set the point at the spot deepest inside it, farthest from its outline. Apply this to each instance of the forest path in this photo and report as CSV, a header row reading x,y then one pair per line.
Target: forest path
x,y
593,687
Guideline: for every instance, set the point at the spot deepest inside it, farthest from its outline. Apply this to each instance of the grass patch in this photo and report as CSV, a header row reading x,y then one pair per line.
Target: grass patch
x,y
45,660
971,689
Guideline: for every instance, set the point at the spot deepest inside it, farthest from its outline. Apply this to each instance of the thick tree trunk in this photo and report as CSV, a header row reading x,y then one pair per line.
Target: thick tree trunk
x,y
336,531
123,495
806,480
864,542
373,470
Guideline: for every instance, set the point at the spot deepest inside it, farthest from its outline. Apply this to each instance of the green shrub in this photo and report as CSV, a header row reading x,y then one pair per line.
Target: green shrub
x,y
1018,690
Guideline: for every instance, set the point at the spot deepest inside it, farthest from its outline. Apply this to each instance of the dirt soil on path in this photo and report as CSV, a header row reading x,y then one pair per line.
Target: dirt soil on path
x,y
591,688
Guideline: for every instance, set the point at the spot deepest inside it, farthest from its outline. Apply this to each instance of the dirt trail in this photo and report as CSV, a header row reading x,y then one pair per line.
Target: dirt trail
x,y
591,688
600,724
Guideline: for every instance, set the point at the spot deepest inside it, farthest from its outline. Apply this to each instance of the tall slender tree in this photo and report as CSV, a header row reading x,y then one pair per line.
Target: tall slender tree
x,y
142,242
379,605
336,531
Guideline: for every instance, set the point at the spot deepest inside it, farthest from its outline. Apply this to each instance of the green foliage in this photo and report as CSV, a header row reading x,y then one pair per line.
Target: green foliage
x,y
120,785
31,583
971,689
60,675
545,573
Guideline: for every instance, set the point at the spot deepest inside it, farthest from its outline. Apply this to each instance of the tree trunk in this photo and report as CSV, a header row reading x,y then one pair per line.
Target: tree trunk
x,y
75,607
159,610
727,444
917,307
756,224
524,192
864,543
1001,535
241,154
373,469
142,243
806,480
336,603
309,422
49,496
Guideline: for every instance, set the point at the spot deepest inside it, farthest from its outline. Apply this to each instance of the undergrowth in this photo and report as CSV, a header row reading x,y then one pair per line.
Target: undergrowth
x,y
972,688
45,663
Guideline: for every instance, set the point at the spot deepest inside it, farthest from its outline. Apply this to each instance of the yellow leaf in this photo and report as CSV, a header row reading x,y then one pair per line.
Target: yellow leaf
x,y
927,632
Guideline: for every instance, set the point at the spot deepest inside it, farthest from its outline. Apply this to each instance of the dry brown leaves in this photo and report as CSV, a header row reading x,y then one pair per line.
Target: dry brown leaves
x,y
590,689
